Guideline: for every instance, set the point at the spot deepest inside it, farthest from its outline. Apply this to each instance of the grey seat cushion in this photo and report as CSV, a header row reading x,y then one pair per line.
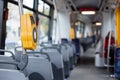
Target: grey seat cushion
x,y
7,74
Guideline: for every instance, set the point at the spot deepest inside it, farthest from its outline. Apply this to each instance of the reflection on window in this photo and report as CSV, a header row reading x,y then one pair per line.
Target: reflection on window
x,y
12,29
27,11
43,28
40,6
46,9
28,3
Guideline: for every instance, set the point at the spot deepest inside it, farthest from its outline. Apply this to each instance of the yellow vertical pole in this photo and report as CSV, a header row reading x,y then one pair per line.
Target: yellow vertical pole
x,y
118,26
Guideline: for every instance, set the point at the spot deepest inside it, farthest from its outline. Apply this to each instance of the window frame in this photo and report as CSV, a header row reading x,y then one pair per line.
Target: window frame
x,y
32,9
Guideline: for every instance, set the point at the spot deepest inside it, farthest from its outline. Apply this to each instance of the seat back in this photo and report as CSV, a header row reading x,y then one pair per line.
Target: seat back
x,y
7,66
66,61
39,67
77,47
7,59
57,62
71,55
73,46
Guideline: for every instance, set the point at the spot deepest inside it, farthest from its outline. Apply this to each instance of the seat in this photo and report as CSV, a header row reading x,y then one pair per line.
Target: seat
x,y
8,74
71,55
7,58
57,62
66,60
7,66
39,66
73,46
70,51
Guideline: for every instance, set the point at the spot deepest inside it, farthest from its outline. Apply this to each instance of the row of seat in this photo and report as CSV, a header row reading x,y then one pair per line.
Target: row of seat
x,y
47,62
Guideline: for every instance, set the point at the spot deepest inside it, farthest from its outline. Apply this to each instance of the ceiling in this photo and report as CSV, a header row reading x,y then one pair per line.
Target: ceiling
x,y
98,5
95,4
87,3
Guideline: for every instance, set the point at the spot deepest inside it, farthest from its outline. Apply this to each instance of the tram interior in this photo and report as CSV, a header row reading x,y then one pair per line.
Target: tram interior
x,y
60,40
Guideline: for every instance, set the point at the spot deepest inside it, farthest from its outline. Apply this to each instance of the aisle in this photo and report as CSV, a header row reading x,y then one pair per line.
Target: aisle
x,y
86,70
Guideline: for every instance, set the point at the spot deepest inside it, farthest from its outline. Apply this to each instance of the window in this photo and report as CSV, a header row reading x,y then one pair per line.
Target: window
x,y
13,38
28,3
40,6
79,29
46,9
12,29
43,7
27,11
43,28
82,26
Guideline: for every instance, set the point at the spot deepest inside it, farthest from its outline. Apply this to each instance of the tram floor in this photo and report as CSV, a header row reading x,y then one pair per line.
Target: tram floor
x,y
86,70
